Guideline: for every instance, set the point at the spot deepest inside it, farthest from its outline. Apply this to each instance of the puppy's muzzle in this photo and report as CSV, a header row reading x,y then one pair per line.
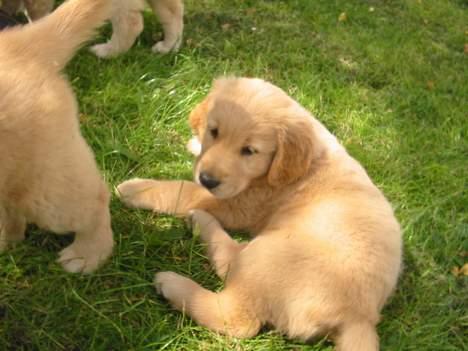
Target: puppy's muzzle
x,y
208,181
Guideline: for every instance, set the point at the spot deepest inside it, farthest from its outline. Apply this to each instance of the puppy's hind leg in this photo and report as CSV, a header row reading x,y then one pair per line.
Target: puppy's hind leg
x,y
171,15
221,248
93,242
224,312
77,200
127,24
12,228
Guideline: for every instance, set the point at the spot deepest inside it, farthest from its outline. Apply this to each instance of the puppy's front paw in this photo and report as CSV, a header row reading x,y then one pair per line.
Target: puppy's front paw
x,y
135,192
104,50
174,287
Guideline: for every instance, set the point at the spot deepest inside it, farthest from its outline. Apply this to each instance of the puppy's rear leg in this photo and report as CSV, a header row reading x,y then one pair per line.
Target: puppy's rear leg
x,y
221,248
224,312
93,242
126,26
12,228
171,15
89,250
78,202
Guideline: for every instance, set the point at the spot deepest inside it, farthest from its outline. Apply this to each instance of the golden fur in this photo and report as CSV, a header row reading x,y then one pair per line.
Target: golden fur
x,y
48,175
326,251
127,24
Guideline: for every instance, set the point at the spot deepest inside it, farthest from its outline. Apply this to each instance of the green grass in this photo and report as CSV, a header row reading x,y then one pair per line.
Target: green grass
x,y
390,83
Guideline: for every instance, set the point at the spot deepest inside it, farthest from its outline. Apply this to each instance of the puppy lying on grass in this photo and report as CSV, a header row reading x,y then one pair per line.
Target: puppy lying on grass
x,y
48,175
326,251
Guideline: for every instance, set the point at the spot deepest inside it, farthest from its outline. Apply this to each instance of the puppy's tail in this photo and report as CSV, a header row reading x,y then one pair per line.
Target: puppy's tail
x,y
55,38
358,336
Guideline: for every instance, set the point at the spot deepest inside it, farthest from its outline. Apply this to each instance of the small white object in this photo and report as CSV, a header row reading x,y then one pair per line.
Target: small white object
x,y
194,146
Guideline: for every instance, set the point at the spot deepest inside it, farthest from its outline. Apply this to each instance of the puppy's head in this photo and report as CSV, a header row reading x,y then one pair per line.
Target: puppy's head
x,y
250,130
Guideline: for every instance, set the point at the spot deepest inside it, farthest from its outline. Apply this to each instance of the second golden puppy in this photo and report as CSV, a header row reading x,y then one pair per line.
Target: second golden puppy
x,y
127,24
48,175
327,248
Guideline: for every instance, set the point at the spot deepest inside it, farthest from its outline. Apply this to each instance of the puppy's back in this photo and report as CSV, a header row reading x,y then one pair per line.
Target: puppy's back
x,y
37,105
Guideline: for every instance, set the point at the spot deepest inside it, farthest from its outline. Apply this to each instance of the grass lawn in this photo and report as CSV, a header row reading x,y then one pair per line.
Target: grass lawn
x,y
390,80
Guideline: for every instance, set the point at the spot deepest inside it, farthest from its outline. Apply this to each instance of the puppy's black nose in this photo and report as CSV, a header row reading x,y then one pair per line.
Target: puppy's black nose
x,y
208,181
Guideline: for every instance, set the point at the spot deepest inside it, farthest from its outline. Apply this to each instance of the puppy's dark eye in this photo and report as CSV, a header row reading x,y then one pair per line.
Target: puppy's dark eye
x,y
214,133
248,151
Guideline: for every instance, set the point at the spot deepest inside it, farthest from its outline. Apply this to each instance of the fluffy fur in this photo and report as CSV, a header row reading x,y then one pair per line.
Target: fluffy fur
x,y
48,174
326,251
127,24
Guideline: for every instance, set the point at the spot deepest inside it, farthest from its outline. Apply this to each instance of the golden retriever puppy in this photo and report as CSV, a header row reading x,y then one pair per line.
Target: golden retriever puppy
x,y
48,175
34,8
127,24
326,252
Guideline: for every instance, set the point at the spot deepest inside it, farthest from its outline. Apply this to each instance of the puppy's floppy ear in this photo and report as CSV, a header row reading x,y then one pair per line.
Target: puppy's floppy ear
x,y
197,118
296,150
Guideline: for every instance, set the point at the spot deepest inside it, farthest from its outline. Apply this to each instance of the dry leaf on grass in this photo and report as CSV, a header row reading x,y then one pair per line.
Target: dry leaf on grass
x,y
458,271
83,118
251,11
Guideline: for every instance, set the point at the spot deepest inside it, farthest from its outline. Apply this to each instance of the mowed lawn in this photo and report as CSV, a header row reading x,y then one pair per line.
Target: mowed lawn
x,y
388,78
